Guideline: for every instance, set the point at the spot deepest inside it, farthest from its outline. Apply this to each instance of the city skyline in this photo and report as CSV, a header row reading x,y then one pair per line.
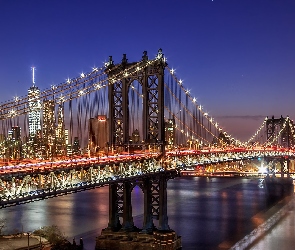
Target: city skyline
x,y
235,57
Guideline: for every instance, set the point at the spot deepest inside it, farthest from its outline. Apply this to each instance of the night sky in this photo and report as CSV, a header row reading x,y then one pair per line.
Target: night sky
x,y
236,56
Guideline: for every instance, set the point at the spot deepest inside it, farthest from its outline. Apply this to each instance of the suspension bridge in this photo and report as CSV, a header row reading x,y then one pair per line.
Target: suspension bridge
x,y
123,125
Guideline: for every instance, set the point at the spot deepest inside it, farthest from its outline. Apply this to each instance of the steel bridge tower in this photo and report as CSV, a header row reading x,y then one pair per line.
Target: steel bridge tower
x,y
150,75
275,125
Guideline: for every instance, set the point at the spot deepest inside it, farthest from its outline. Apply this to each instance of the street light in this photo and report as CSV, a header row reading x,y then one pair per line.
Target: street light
x,y
28,240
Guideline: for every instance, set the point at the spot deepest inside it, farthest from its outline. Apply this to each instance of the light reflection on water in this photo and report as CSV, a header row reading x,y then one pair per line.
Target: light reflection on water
x,y
204,211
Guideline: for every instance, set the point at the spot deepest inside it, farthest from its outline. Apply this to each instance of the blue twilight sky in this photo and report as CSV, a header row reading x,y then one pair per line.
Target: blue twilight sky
x,y
236,56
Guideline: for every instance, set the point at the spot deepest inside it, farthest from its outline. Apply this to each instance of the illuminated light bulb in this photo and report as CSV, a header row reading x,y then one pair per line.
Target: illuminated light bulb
x,y
180,82
81,92
82,75
205,114
95,69
62,98
12,112
53,87
68,80
16,98
194,99
172,71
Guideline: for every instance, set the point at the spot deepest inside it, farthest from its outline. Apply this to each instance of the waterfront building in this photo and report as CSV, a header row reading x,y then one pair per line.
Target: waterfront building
x,y
60,137
48,126
68,145
135,137
98,133
14,143
170,133
76,150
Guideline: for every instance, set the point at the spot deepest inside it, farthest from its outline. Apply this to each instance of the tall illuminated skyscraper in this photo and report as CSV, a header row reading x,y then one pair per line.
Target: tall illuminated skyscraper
x,y
60,131
14,142
98,132
34,109
170,132
48,125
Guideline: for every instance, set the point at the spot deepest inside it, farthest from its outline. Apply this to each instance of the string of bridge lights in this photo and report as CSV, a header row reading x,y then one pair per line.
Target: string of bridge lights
x,y
177,128
200,107
189,112
188,128
257,132
12,107
56,89
183,124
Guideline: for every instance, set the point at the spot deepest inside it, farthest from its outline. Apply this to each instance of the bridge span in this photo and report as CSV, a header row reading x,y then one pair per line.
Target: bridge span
x,y
74,135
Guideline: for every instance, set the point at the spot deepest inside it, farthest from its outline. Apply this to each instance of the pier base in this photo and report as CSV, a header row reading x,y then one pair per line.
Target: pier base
x,y
122,240
278,188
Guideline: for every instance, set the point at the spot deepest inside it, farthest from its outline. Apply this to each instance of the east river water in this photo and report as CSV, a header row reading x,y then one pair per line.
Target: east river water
x,y
205,212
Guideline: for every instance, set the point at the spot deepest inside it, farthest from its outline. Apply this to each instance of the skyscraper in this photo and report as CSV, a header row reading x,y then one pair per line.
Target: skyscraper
x,y
34,111
170,132
48,126
98,132
14,142
60,131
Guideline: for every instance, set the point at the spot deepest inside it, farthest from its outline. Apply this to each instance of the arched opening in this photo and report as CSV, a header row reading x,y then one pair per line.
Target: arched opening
x,y
137,200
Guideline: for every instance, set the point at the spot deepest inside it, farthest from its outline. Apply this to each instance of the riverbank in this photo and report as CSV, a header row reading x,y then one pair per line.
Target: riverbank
x,y
23,241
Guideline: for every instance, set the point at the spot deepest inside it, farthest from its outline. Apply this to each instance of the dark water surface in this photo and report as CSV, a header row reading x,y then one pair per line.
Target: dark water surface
x,y
205,211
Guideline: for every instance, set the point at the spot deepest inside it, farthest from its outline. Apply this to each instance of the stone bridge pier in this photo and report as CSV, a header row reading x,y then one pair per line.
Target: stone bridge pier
x,y
122,234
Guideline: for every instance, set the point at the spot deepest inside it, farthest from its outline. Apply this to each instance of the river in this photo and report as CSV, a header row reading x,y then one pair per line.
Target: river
x,y
206,212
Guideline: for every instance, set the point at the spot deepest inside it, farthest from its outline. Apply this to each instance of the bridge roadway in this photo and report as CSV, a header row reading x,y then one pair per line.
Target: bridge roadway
x,y
25,182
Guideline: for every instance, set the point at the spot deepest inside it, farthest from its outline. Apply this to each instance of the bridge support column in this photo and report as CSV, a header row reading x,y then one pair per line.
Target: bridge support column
x,y
40,181
128,224
163,217
148,224
288,167
114,222
282,168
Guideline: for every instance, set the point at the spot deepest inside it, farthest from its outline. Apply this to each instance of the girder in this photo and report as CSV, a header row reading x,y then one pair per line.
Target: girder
x,y
37,186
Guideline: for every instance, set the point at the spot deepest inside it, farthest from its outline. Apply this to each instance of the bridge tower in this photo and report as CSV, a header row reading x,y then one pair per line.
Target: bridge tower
x,y
281,125
150,75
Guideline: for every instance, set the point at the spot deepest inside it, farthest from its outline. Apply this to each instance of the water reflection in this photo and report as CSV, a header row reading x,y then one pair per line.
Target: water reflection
x,y
205,211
